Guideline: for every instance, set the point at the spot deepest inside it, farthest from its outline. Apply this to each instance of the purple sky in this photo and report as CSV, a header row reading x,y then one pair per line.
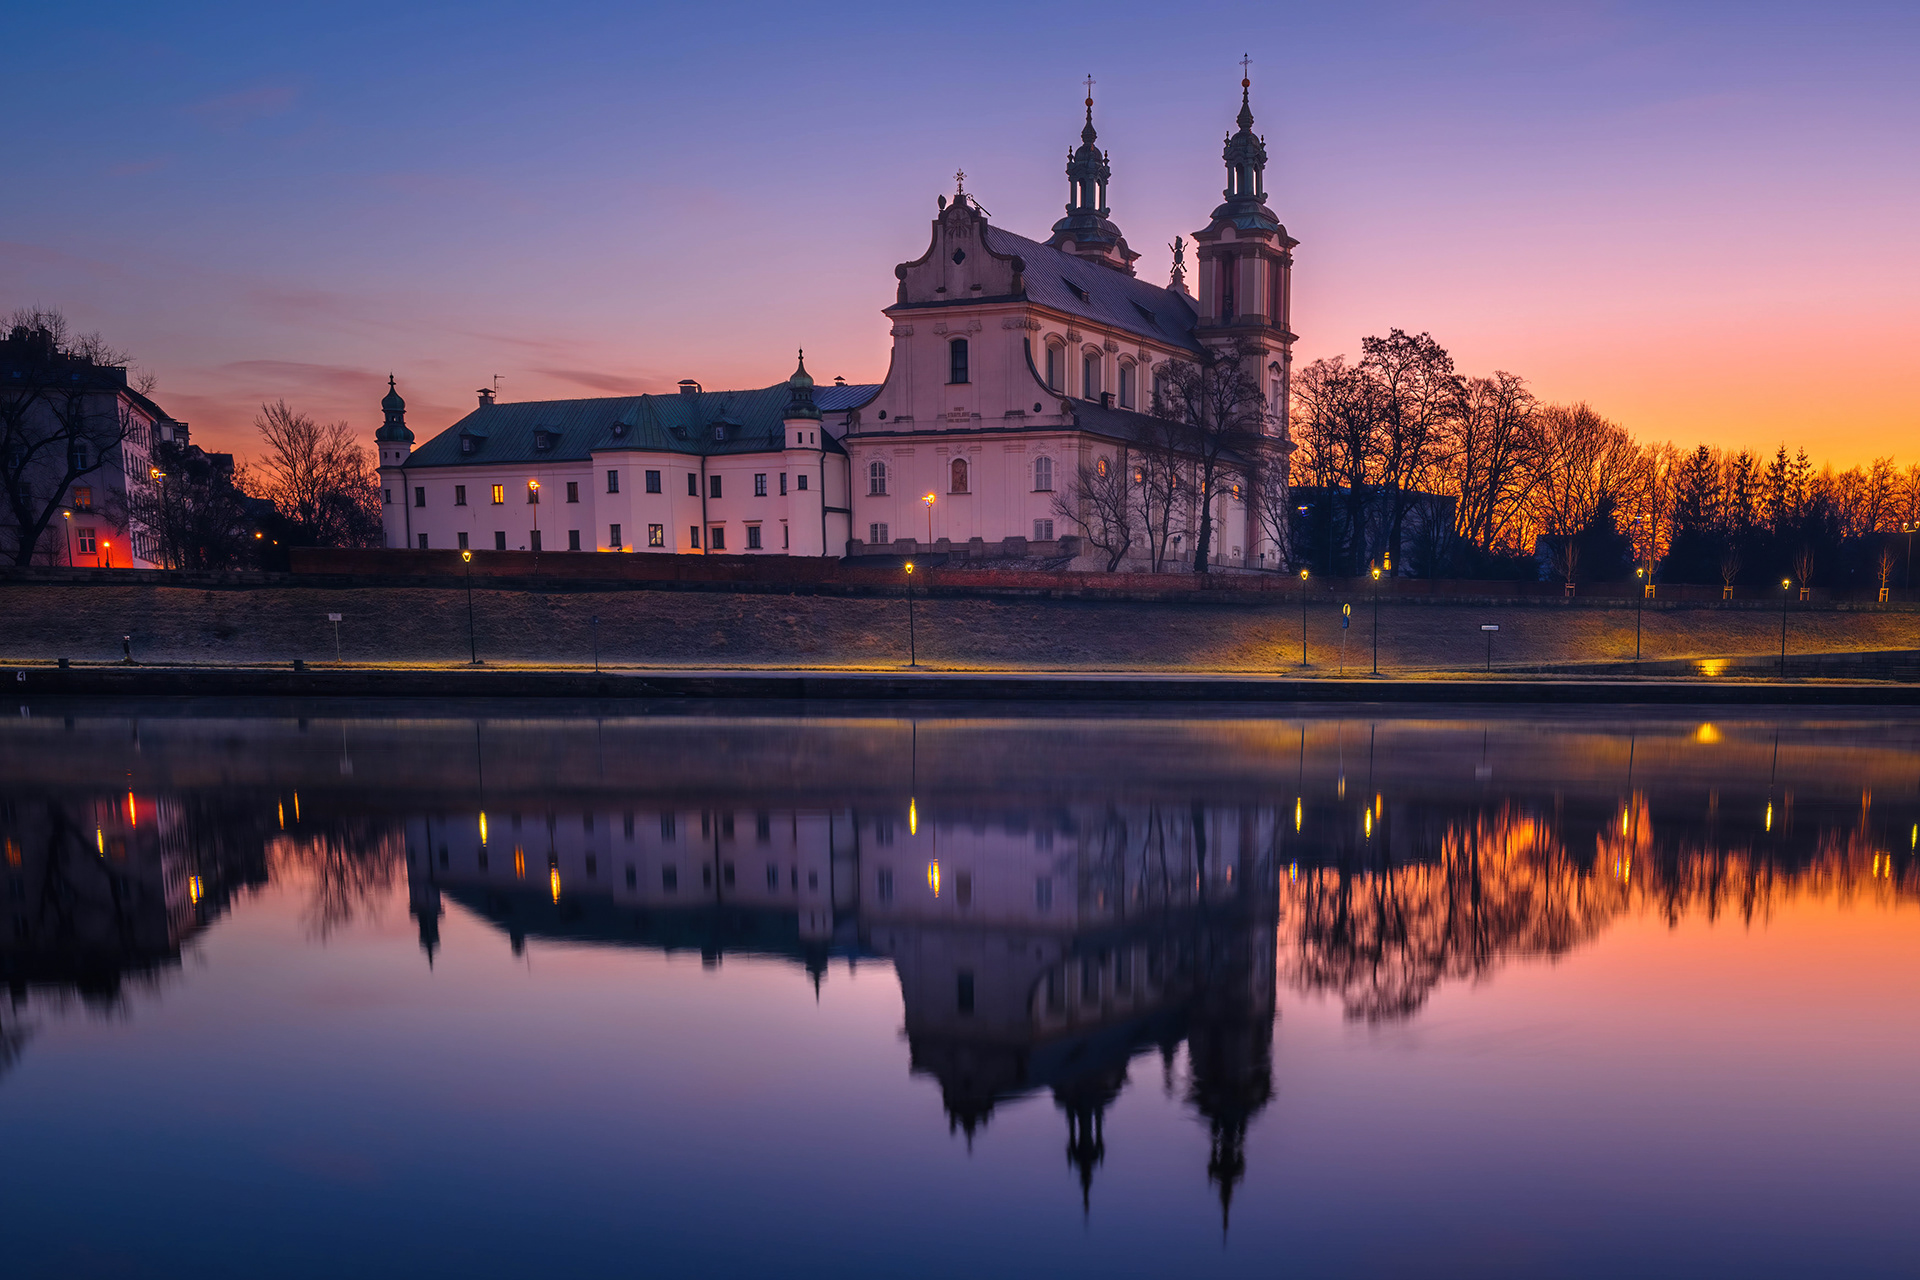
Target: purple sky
x,y
1699,218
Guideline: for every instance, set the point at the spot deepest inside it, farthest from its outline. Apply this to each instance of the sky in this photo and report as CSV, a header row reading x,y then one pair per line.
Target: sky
x,y
1697,217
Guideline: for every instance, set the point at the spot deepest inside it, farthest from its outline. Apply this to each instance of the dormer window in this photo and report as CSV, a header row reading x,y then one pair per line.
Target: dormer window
x,y
1078,292
468,443
679,433
542,440
719,431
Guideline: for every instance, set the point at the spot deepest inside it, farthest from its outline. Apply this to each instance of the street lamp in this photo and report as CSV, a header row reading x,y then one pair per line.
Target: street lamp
x,y
68,517
1376,620
1909,529
929,501
1639,608
913,657
473,648
533,500
1786,585
1303,617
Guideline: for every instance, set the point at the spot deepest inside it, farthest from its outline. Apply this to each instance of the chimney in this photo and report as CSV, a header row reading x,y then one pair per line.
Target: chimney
x,y
839,381
486,396
688,387
1106,399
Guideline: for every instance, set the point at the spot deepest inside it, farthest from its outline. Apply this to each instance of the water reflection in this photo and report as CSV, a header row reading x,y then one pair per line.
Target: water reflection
x,y
1064,902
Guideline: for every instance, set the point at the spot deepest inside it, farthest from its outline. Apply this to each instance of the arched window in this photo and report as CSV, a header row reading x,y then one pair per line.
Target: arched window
x,y
1056,356
1090,376
1043,475
876,479
1126,384
957,476
957,360
1100,468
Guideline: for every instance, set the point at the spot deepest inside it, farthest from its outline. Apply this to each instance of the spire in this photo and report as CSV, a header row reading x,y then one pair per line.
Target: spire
x,y
1087,229
395,427
1245,154
800,392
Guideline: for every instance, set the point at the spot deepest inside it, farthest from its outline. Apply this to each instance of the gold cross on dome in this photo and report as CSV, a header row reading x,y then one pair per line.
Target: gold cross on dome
x,y
1246,60
959,181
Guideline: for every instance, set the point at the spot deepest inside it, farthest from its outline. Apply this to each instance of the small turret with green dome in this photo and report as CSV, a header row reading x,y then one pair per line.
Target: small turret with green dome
x,y
394,429
800,393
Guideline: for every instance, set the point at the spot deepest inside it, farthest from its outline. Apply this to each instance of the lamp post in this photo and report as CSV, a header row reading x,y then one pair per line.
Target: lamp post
x,y
913,657
1639,608
533,500
67,517
1303,617
929,501
1909,529
1376,620
1786,585
473,648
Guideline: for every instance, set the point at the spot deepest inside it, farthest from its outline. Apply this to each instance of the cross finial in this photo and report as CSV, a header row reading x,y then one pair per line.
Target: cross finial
x,y
1246,61
1089,90
960,181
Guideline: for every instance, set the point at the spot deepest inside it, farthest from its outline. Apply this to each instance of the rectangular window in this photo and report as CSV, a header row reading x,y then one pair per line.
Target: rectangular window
x,y
717,539
533,540
1043,531
785,542
753,537
957,360
783,484
877,535
499,494
633,880
693,536
613,535
499,540
419,495
463,540
423,542
626,826
573,539
1090,377
1126,386
883,884
459,495
653,482
693,485
801,482
666,826
1053,368
85,539
82,498
759,484
656,535
964,996
573,491
773,876
613,482
386,496
1043,893
713,486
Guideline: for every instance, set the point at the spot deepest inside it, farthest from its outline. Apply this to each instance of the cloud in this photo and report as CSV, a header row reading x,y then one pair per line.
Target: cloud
x,y
613,384
296,374
232,110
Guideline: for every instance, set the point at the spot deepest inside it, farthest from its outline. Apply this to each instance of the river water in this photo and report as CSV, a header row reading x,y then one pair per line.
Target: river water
x,y
518,990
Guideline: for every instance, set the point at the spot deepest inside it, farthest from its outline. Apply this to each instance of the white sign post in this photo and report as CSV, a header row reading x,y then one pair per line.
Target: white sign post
x,y
1489,628
334,618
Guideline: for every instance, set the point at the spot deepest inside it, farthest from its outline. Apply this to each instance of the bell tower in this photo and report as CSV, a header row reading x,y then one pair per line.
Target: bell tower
x,y
1246,270
395,443
1088,231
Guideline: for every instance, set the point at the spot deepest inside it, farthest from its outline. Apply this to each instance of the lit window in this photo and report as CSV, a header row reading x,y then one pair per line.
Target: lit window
x,y
499,494
82,498
656,535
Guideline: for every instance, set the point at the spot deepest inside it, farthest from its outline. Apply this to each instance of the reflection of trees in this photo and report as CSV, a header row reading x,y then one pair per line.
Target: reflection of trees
x,y
350,864
1383,938
1506,885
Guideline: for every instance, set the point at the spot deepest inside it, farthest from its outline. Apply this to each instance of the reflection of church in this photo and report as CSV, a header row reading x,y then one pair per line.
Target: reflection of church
x,y
1037,952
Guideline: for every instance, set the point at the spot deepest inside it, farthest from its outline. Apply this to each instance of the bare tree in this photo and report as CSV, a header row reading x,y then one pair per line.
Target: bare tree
x,y
1493,458
1159,475
1099,502
1218,419
63,416
1585,459
320,478
1270,498
198,515
1420,398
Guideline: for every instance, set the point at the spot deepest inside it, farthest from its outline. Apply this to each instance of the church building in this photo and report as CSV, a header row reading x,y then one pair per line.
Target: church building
x,y
1018,366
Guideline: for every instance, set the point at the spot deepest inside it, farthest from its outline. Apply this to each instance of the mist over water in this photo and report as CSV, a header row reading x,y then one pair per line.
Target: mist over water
x,y
514,990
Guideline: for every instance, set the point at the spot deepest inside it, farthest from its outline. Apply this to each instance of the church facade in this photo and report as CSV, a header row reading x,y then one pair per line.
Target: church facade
x,y
1018,367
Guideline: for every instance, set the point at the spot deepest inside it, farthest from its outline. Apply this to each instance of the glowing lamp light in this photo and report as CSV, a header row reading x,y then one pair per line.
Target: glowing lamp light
x,y
280,811
1769,815
1706,734
133,814
553,882
483,828
1296,812
933,876
100,841
1303,575
913,818
194,889
928,499
909,566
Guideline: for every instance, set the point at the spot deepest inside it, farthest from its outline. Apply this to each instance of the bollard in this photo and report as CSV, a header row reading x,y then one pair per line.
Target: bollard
x,y
299,665
126,650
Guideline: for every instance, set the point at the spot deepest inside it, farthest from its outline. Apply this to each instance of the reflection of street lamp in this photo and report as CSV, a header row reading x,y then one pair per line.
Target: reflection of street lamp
x,y
473,648
1376,620
1639,607
913,657
1303,617
929,501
